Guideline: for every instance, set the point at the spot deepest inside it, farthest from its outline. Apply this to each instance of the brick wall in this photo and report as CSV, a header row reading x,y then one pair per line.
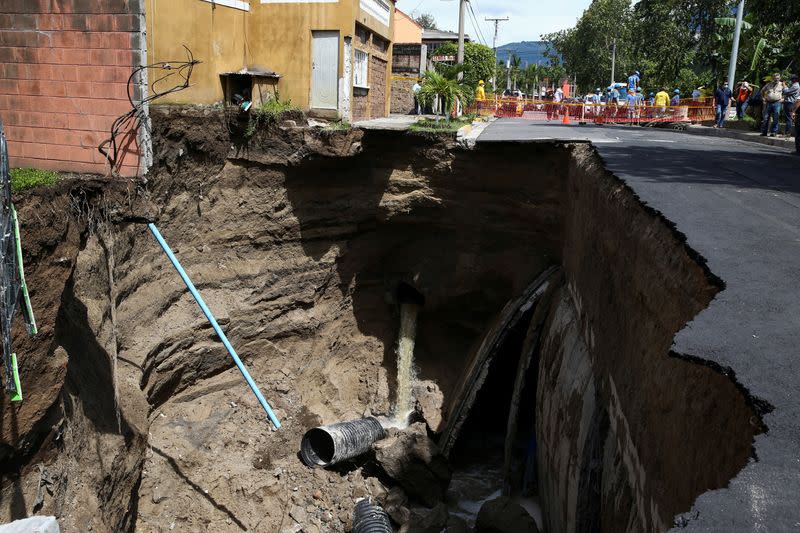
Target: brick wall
x,y
403,97
377,86
405,70
359,104
64,67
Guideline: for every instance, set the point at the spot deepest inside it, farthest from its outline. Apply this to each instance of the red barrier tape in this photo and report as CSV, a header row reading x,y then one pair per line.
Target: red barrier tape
x,y
694,111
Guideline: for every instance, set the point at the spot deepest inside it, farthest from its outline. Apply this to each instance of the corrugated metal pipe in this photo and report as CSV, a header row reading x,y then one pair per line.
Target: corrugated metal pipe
x,y
328,445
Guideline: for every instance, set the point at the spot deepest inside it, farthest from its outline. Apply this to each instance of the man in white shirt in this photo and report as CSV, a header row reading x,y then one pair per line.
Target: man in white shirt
x,y
416,89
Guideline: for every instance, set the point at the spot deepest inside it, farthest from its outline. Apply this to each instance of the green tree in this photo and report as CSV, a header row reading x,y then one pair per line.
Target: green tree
x,y
586,49
478,64
427,21
516,67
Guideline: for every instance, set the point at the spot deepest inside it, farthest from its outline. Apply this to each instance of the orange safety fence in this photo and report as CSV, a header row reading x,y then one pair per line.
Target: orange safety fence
x,y
547,110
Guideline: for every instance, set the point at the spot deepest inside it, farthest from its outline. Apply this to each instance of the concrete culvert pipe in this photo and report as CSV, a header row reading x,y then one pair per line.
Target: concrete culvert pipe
x,y
328,445
369,517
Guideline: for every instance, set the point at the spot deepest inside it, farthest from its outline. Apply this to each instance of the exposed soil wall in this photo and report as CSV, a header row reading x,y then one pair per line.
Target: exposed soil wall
x,y
298,240
629,434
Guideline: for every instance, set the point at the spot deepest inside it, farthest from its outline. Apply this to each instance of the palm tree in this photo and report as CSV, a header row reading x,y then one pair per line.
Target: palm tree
x,y
516,63
437,87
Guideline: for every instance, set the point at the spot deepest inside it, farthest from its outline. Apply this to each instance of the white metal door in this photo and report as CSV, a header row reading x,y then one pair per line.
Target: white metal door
x,y
324,69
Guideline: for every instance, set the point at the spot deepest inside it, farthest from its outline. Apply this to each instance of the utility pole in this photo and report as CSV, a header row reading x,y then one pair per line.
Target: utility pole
x,y
508,71
497,22
613,60
462,4
737,31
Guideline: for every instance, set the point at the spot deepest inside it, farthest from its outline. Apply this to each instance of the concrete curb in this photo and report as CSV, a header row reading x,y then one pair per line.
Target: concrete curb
x,y
467,136
706,131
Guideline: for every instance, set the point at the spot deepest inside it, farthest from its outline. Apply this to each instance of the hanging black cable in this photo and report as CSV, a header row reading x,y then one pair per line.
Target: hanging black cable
x,y
133,119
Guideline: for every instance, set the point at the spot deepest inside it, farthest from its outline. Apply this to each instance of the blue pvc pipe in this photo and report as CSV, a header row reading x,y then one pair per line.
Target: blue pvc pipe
x,y
213,321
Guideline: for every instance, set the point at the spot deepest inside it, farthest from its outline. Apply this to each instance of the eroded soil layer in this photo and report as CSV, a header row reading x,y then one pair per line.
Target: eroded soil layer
x,y
298,240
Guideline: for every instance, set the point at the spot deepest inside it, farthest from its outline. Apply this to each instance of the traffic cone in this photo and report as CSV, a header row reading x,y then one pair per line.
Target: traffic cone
x,y
565,120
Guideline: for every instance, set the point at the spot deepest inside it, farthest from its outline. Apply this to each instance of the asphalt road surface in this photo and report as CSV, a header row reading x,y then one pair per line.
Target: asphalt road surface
x,y
738,204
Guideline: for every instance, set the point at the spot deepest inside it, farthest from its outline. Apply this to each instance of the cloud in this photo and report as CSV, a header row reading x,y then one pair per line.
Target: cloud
x,y
530,19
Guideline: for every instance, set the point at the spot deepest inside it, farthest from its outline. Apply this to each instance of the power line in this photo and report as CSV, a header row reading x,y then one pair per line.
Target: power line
x,y
476,26
478,17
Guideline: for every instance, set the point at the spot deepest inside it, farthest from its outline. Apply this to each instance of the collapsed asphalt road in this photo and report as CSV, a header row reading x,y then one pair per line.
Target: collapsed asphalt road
x,y
738,204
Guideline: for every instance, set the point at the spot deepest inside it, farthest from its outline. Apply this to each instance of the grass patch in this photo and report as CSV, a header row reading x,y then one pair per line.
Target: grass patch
x,y
339,125
269,112
439,126
27,178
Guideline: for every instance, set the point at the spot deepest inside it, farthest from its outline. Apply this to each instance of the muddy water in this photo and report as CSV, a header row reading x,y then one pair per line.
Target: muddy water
x,y
405,363
479,480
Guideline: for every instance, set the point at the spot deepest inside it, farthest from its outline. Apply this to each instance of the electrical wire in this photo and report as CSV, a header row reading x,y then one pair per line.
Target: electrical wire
x,y
476,20
134,119
478,32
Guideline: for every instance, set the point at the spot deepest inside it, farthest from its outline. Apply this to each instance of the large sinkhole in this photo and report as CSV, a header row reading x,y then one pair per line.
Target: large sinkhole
x,y
547,299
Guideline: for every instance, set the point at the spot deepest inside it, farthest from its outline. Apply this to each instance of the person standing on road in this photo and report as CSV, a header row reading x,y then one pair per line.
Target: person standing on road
x,y
661,102
633,82
797,128
614,96
480,92
790,96
722,100
743,93
676,98
772,96
416,89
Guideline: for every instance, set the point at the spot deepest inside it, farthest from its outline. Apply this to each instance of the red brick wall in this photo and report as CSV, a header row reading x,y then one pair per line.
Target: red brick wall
x,y
64,67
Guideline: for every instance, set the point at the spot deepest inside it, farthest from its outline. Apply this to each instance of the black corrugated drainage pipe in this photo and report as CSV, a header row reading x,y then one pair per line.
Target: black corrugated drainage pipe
x,y
328,445
369,517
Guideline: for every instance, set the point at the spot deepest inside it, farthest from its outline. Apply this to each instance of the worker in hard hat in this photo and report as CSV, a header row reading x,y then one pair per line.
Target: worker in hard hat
x,y
480,92
661,102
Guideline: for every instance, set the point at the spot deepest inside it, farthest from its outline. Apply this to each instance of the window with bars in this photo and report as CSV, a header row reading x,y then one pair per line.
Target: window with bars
x,y
361,69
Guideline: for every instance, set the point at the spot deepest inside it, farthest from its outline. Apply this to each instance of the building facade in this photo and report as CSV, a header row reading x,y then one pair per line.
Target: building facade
x,y
406,29
67,68
329,57
433,39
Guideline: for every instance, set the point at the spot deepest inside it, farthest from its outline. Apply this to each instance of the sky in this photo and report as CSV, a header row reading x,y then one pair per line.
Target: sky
x,y
529,18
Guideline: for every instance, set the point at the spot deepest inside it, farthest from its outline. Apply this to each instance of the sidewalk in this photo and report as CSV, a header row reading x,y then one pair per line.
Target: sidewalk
x,y
392,122
748,136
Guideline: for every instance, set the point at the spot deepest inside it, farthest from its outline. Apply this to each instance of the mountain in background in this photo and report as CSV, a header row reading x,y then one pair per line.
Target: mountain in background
x,y
531,52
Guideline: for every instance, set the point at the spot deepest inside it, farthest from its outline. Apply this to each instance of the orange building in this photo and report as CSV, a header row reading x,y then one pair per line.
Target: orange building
x,y
406,29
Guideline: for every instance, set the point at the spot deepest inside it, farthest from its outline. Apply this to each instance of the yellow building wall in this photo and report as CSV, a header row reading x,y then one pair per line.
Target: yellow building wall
x,y
405,29
280,40
274,36
215,34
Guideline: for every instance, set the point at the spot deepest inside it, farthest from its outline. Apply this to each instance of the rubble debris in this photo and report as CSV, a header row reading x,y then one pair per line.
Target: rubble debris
x,y
412,459
430,400
433,521
503,515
